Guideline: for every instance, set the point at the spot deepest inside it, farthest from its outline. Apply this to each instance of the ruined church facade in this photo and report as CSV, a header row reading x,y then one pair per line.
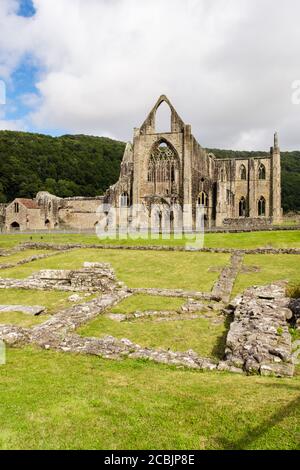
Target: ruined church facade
x,y
163,175
162,171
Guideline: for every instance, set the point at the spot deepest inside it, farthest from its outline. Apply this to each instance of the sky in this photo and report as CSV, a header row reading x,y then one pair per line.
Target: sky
x,y
231,68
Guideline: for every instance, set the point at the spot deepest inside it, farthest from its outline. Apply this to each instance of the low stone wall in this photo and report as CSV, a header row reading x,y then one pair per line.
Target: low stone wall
x,y
185,294
224,285
259,340
93,277
254,251
30,259
248,223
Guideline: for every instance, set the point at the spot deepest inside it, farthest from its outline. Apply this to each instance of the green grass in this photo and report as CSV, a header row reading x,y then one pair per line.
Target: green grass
x,y
143,302
201,335
52,300
273,268
276,239
138,268
52,400
20,255
22,319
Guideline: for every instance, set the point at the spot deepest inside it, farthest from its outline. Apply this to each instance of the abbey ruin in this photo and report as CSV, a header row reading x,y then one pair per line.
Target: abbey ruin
x,y
167,174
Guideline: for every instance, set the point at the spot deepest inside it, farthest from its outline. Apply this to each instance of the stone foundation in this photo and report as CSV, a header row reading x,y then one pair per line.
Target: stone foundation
x,y
255,251
259,340
93,277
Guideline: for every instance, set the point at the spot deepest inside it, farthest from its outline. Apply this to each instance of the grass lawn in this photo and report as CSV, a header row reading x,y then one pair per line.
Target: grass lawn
x,y
52,400
52,300
22,319
138,268
273,268
201,335
143,302
18,256
204,337
277,239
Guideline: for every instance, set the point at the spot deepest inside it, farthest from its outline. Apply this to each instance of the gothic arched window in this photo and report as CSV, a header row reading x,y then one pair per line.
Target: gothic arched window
x,y
243,172
202,199
163,164
242,207
124,199
261,172
262,207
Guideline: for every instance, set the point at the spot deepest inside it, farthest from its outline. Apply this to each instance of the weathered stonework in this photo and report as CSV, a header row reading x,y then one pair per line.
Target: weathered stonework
x,y
167,176
223,287
252,251
29,259
259,340
93,277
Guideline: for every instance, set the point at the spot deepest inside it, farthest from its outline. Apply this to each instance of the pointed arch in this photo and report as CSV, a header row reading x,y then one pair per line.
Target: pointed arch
x,y
243,172
15,226
148,126
163,117
261,172
124,199
242,207
261,207
163,163
202,199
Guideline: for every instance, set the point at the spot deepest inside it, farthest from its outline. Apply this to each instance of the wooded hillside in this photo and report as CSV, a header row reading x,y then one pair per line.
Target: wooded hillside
x,y
80,165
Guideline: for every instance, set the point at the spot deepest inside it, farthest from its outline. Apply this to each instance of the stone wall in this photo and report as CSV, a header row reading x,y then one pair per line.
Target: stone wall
x,y
247,222
93,277
254,251
259,340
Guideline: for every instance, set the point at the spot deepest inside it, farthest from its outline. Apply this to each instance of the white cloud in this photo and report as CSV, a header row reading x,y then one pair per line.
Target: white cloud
x,y
227,65
12,125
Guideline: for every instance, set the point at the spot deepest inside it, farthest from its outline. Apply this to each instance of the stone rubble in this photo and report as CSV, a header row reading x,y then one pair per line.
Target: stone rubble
x,y
223,286
14,335
259,340
29,259
174,293
96,277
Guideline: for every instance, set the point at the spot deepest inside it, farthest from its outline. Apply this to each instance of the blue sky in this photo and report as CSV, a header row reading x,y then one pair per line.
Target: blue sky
x,y
22,82
26,8
98,66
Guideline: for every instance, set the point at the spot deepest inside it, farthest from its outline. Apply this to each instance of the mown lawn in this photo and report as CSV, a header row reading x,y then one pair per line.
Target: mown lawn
x,y
20,255
201,335
138,268
52,300
54,400
277,239
272,268
22,319
143,302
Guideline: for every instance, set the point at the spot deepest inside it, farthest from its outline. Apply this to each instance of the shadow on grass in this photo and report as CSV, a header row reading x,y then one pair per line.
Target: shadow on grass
x,y
219,347
250,436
